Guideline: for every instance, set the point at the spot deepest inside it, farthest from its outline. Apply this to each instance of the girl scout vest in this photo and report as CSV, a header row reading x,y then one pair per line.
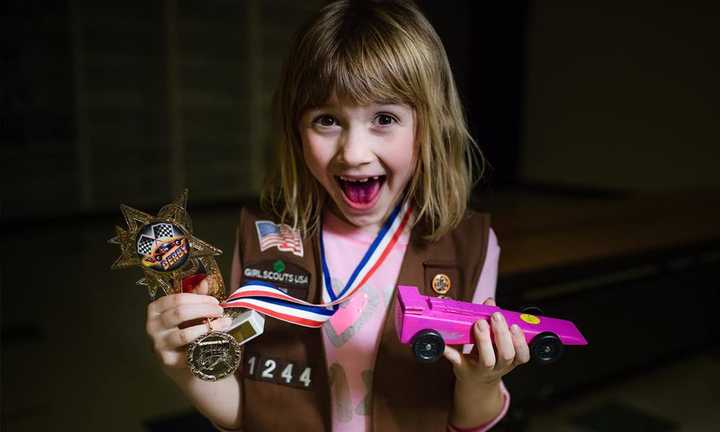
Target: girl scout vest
x,y
284,377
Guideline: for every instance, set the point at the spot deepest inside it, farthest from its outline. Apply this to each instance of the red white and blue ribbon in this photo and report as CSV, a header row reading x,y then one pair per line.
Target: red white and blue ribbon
x,y
267,299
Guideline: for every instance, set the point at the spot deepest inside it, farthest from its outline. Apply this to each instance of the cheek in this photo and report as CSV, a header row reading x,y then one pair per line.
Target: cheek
x,y
316,157
402,154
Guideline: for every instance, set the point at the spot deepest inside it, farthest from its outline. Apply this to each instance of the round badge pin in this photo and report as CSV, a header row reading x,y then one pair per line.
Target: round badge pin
x,y
441,283
214,356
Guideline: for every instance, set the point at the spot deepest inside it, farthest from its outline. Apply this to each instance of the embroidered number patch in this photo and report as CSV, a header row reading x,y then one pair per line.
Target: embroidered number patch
x,y
277,371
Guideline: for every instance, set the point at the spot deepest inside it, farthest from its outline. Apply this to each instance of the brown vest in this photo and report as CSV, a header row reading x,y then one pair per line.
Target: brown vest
x,y
406,395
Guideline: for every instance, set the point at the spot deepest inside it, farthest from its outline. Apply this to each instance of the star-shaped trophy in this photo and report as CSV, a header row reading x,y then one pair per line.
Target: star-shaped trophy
x,y
165,248
171,257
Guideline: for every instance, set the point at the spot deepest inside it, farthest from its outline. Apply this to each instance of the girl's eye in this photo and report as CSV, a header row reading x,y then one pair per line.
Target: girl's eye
x,y
385,119
325,120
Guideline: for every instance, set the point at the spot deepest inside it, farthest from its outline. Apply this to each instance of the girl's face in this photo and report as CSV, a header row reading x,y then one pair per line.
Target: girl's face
x,y
362,155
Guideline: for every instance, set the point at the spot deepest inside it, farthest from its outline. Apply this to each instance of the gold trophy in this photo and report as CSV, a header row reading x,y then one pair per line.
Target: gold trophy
x,y
169,254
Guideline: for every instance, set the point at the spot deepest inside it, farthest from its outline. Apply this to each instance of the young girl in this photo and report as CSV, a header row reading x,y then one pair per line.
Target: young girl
x,y
374,169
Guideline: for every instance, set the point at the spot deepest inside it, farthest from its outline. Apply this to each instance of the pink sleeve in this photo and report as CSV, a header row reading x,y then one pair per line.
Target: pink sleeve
x,y
488,278
486,288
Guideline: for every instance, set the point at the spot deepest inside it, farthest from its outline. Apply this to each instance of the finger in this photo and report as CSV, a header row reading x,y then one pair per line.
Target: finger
x,y
483,341
221,324
489,302
454,356
503,341
181,337
172,359
154,325
522,351
188,312
174,300
190,282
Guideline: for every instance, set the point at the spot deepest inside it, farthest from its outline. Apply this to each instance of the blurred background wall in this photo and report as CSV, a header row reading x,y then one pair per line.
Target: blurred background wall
x,y
622,95
107,101
130,100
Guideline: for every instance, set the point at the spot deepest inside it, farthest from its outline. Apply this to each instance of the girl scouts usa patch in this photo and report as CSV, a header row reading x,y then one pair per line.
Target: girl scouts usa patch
x,y
288,277
280,236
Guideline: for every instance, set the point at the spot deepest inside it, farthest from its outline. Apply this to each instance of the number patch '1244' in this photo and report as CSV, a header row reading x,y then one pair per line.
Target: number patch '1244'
x,y
277,371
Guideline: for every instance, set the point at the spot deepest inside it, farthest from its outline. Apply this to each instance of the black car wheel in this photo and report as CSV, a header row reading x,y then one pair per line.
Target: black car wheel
x,y
532,310
546,348
428,346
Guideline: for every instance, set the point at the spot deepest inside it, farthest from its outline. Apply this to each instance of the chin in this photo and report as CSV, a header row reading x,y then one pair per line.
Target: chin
x,y
365,221
359,218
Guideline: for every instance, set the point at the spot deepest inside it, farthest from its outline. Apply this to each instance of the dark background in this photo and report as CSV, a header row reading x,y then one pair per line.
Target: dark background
x,y
597,119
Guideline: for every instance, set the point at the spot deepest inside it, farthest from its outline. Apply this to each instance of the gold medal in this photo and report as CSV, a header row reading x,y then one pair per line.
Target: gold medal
x,y
218,354
214,356
441,283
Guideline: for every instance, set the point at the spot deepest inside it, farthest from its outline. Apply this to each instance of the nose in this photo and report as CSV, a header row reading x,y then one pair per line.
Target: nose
x,y
355,148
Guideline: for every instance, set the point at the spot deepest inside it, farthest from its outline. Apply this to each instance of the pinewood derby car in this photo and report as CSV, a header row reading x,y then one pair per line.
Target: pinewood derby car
x,y
429,323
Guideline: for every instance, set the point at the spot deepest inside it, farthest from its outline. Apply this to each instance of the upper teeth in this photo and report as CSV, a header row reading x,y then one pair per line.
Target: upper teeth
x,y
361,180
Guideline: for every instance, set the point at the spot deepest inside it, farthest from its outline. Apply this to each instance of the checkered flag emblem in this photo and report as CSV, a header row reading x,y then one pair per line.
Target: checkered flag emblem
x,y
163,230
144,245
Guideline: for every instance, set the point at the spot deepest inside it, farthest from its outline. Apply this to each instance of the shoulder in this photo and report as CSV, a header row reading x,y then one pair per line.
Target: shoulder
x,y
477,226
253,213
473,225
473,236
249,215
474,216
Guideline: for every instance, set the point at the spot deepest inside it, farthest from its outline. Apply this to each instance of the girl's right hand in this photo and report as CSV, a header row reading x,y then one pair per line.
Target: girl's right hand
x,y
175,320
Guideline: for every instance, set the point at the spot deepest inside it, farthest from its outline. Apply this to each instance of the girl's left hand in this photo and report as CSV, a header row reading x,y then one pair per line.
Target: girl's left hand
x,y
489,362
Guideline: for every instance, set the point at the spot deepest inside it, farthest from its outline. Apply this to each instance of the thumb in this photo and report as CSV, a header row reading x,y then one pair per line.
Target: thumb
x,y
489,302
203,287
453,356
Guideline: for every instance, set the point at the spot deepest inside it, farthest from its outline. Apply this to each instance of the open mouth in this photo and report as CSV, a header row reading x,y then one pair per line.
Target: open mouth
x,y
361,191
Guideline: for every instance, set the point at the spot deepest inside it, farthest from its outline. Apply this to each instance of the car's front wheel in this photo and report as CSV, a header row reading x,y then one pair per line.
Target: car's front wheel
x,y
428,346
546,348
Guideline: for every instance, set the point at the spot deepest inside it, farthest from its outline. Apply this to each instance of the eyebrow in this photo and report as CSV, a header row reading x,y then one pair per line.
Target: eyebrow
x,y
339,105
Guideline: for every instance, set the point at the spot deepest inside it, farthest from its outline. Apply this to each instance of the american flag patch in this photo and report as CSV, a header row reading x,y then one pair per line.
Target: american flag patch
x,y
279,235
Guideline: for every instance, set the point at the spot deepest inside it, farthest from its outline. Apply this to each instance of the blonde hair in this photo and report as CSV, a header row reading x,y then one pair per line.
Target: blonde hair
x,y
365,52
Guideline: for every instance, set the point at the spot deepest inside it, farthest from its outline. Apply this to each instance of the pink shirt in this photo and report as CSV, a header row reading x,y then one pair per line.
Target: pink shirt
x,y
351,336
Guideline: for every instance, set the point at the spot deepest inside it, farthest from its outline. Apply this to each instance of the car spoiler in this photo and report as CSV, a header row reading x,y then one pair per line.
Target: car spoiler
x,y
410,299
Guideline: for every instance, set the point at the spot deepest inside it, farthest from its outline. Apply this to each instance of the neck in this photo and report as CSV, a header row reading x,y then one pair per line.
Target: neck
x,y
340,223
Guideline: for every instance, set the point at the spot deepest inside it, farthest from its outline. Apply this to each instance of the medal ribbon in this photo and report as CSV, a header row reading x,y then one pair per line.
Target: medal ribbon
x,y
266,298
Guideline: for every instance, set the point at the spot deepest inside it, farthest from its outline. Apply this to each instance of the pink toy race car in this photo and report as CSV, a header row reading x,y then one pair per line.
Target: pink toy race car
x,y
428,323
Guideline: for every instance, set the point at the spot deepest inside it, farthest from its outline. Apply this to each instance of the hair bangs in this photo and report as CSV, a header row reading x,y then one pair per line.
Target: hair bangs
x,y
360,67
